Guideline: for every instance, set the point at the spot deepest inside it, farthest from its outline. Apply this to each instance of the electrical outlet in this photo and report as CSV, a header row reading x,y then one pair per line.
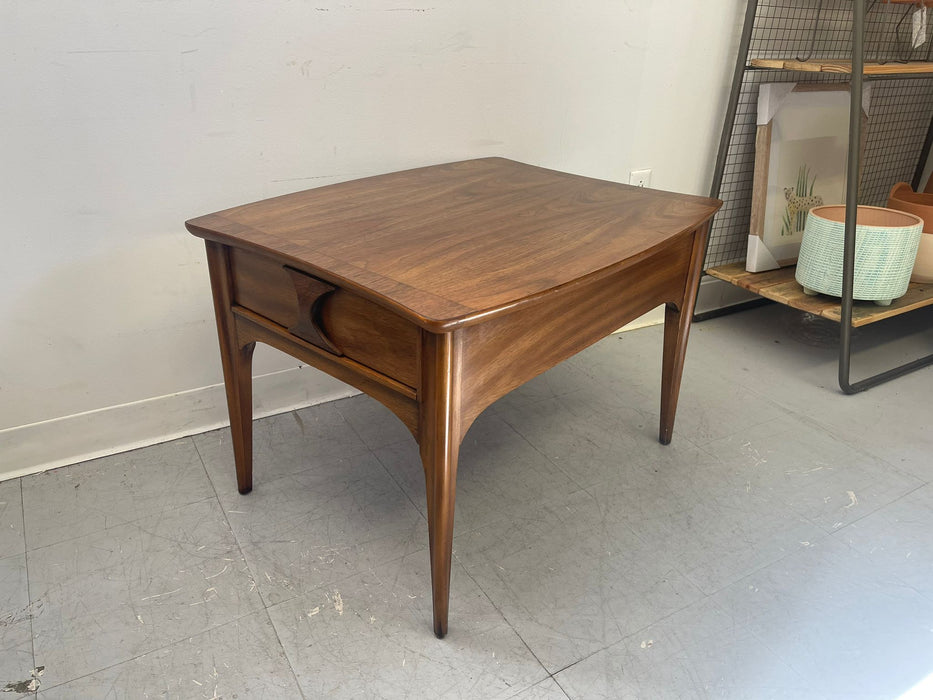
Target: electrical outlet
x,y
640,178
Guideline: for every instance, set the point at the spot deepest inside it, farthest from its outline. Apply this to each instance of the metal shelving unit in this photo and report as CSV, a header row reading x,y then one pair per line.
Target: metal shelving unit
x,y
828,41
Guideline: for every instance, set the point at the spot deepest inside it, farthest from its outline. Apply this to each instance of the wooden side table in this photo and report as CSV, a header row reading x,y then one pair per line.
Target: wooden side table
x,y
438,290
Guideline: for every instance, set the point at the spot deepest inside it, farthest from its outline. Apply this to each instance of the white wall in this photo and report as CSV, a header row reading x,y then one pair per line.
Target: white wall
x,y
122,119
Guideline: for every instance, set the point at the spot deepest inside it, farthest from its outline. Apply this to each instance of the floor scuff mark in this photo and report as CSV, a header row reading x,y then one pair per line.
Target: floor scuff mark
x,y
338,602
853,499
217,574
159,595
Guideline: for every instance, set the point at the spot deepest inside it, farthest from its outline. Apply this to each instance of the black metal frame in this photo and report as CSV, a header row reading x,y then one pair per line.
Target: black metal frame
x,y
848,265
852,183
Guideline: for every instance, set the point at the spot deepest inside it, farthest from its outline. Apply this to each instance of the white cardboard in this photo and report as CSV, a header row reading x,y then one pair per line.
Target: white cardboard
x,y
770,97
759,257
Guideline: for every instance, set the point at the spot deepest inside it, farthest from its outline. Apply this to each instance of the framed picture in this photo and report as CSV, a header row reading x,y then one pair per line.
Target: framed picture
x,y
801,154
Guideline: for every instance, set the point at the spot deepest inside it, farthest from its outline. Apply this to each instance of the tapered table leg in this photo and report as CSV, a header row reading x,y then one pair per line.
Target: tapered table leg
x,y
439,440
237,360
675,345
677,318
240,406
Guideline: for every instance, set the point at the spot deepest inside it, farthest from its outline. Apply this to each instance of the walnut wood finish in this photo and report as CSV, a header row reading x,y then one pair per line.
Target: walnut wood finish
x,y
353,325
236,359
677,317
507,351
440,289
453,244
439,427
311,293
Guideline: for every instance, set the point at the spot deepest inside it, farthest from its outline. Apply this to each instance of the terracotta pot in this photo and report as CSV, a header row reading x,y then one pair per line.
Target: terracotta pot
x,y
903,198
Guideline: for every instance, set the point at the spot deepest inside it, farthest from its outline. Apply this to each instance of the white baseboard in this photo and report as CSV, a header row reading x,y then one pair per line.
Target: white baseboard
x,y
33,448
719,294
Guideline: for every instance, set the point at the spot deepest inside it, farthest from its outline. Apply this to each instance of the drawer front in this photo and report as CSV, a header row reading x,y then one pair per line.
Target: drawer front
x,y
331,318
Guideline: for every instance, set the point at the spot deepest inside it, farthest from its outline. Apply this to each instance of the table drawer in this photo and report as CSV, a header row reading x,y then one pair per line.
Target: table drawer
x,y
331,318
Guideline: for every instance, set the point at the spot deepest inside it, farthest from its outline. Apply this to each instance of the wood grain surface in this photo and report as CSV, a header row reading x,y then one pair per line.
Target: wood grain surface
x,y
450,244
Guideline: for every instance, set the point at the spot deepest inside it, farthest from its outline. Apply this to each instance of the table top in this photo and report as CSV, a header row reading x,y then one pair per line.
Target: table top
x,y
451,244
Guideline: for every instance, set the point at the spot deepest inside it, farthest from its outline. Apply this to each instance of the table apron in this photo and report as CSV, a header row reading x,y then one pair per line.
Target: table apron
x,y
506,352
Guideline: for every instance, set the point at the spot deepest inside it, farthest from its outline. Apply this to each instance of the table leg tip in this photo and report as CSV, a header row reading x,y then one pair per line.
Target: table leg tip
x,y
245,490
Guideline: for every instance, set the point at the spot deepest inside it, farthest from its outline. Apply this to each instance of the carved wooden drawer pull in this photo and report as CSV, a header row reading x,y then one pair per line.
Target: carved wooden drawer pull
x,y
311,293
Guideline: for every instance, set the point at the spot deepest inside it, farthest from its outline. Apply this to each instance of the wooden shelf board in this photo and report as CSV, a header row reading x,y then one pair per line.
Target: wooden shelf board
x,y
835,66
780,286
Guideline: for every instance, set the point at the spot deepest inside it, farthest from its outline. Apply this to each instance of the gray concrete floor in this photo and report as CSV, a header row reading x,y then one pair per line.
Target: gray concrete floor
x,y
780,547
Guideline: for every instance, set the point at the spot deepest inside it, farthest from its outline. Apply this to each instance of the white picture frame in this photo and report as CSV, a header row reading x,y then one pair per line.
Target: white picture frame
x,y
801,154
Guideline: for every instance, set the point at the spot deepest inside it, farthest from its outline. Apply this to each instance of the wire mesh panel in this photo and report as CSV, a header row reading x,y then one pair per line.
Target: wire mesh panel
x,y
897,127
823,29
783,30
900,110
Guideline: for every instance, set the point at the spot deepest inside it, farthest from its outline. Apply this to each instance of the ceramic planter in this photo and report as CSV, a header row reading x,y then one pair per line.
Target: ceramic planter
x,y
885,249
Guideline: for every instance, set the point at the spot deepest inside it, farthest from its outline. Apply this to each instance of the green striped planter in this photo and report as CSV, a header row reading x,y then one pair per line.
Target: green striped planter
x,y
885,248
